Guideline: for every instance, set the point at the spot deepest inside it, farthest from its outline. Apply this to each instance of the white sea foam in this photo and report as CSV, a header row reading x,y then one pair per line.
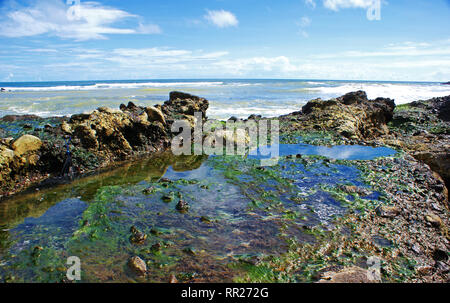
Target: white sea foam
x,y
243,112
114,86
401,93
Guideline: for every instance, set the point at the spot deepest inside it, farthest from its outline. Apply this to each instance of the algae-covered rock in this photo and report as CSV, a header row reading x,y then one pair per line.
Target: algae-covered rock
x,y
182,103
352,115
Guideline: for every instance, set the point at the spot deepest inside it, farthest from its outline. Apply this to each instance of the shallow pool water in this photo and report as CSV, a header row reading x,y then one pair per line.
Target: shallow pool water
x,y
237,210
340,152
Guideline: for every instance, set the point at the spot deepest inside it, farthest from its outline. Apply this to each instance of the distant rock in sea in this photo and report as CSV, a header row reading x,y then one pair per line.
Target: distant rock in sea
x,y
446,83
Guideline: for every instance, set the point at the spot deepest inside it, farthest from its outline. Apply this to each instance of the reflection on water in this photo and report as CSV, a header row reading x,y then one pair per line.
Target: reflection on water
x,y
340,152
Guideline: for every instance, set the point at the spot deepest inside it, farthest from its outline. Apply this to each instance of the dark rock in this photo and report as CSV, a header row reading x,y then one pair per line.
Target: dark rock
x,y
354,97
182,206
442,267
440,255
137,237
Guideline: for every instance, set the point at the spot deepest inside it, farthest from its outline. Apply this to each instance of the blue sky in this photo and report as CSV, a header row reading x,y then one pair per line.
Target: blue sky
x,y
52,40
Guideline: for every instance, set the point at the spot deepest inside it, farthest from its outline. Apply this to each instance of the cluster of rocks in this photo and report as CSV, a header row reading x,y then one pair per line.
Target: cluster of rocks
x,y
352,116
97,140
422,128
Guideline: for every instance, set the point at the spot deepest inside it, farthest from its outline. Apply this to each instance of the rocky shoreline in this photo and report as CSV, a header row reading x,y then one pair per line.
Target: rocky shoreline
x,y
416,217
33,149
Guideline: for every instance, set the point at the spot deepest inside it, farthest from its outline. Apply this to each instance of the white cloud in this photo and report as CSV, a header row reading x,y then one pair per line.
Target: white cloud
x,y
148,29
222,18
337,4
405,49
280,65
84,21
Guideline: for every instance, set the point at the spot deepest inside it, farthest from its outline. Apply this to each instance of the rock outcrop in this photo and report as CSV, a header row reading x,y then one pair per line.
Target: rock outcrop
x,y
96,140
352,115
422,128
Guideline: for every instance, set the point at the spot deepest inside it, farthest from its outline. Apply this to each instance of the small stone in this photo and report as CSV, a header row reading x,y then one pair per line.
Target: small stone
x,y
173,279
168,198
148,191
138,266
137,236
387,211
205,220
182,206
433,220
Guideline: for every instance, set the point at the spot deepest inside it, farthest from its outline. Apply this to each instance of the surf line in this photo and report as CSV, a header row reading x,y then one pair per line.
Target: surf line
x,y
198,293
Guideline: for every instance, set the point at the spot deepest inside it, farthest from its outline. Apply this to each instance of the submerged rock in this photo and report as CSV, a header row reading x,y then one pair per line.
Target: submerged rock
x,y
137,237
182,206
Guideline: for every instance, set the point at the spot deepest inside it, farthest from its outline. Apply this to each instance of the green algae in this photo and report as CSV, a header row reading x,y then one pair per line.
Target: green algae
x,y
228,196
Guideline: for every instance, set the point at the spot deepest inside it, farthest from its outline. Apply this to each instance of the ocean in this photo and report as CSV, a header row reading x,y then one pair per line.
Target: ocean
x,y
227,98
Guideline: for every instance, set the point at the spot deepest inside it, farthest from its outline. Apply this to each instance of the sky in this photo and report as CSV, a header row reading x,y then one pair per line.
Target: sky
x,y
390,40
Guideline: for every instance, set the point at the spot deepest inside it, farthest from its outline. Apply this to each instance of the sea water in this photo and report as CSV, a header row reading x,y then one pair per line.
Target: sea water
x,y
239,98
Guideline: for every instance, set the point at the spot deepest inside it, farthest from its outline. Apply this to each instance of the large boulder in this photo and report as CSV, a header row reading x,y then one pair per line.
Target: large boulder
x,y
26,144
184,104
26,148
352,115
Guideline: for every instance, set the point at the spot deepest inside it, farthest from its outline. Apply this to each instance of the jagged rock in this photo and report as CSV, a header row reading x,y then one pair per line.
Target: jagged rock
x,y
6,158
182,103
65,127
138,266
352,115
